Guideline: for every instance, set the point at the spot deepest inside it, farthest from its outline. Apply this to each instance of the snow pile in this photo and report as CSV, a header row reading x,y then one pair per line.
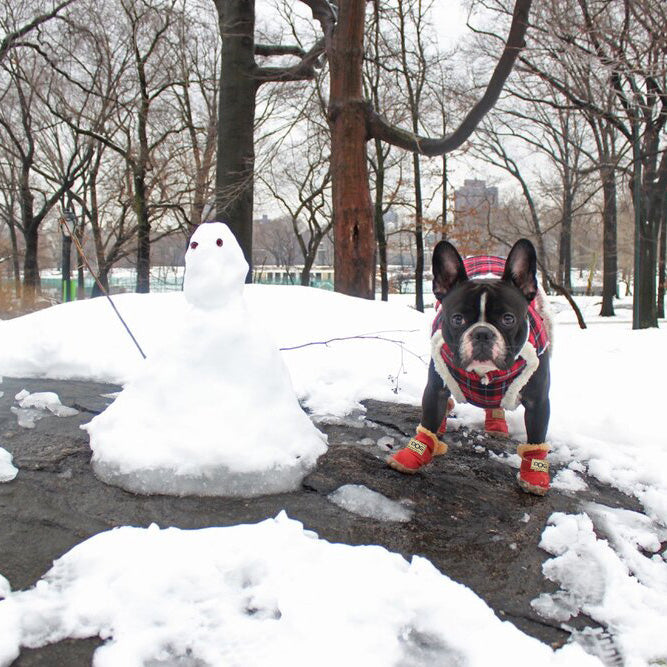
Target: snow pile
x,y
373,354
361,500
8,472
568,480
619,584
212,412
33,407
260,595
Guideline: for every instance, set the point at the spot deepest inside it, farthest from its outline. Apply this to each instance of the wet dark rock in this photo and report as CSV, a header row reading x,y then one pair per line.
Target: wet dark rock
x,y
469,514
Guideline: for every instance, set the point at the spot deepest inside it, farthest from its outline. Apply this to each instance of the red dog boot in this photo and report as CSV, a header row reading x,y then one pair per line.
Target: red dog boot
x,y
419,451
533,476
443,426
495,424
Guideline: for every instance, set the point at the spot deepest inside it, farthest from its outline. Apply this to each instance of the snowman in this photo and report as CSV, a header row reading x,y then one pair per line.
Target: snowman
x,y
213,412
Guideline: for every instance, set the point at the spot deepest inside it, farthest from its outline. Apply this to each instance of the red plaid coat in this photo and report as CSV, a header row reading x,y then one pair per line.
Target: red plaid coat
x,y
488,391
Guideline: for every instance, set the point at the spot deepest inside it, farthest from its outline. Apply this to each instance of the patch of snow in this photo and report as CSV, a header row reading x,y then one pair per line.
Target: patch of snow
x,y
8,472
361,500
386,442
46,400
525,518
620,587
33,407
512,460
213,411
568,480
268,595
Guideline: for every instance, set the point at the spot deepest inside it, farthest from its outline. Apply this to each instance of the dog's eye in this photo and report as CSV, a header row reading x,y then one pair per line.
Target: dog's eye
x,y
457,320
508,319
219,243
194,244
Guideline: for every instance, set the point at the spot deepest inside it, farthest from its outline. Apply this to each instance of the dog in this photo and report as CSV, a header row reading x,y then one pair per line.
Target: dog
x,y
490,346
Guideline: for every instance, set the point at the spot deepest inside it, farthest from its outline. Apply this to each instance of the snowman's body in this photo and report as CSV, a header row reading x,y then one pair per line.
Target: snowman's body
x,y
214,412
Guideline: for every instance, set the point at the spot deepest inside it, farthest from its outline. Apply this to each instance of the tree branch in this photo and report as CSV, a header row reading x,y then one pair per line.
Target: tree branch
x,y
379,128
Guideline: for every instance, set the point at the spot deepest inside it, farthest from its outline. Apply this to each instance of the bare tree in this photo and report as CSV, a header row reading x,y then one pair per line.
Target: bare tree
x,y
48,158
354,122
240,79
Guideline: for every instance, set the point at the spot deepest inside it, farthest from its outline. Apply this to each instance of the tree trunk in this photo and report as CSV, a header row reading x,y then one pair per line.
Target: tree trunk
x,y
565,245
609,251
236,116
103,276
354,251
419,236
143,236
31,283
16,265
308,262
379,222
662,278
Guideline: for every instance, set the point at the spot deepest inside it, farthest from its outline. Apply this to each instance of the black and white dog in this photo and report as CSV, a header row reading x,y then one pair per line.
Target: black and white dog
x,y
488,348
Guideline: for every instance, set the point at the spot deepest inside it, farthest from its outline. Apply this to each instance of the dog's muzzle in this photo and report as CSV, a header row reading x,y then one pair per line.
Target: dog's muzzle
x,y
482,345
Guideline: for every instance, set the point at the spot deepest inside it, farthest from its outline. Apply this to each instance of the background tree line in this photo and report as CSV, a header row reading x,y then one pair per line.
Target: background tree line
x,y
139,116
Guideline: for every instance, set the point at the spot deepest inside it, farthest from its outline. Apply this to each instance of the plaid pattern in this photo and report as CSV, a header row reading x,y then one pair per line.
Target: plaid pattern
x,y
488,391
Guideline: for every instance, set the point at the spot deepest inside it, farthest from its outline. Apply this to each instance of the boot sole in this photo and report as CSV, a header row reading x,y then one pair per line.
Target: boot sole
x,y
531,488
498,434
401,468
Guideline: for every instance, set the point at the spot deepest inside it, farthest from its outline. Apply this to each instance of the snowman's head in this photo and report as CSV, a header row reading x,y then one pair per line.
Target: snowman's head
x,y
215,268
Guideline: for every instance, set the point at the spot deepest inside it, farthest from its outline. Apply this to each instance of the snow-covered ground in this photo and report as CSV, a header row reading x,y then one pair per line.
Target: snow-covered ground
x,y
607,403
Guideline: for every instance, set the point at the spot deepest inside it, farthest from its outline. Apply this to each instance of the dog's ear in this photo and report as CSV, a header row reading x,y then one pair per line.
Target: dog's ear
x,y
521,268
448,269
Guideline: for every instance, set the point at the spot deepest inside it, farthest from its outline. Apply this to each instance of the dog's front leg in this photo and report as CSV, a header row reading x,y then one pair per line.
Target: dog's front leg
x,y
425,445
534,472
434,401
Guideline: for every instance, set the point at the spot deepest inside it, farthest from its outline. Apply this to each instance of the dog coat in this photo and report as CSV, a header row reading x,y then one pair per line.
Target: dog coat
x,y
495,389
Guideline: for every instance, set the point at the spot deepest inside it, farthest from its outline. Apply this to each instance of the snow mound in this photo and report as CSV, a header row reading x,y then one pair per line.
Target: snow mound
x,y
620,582
269,594
212,411
7,473
361,500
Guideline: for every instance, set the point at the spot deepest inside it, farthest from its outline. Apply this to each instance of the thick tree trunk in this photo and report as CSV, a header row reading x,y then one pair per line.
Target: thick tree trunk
x,y
609,251
236,116
143,236
16,264
379,222
31,284
419,236
645,284
354,232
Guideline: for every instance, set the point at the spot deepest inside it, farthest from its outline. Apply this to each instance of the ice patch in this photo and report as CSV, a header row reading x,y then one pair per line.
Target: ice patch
x,y
361,500
33,407
615,582
263,595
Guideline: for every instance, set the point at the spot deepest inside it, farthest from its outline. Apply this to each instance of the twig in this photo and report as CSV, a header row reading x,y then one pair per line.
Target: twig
x,y
400,343
99,284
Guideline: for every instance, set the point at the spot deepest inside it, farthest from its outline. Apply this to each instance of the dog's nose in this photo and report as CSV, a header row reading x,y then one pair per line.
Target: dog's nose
x,y
482,335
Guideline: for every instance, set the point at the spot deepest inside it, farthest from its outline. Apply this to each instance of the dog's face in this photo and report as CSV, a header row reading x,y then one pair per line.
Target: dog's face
x,y
484,321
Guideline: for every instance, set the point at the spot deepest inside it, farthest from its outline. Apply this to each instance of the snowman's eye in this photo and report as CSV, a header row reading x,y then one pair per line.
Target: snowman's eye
x,y
219,243
194,244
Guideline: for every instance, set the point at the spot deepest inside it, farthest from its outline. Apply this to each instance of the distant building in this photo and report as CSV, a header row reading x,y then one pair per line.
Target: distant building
x,y
475,205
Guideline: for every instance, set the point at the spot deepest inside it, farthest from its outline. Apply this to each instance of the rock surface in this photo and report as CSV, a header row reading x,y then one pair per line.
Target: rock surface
x,y
468,513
